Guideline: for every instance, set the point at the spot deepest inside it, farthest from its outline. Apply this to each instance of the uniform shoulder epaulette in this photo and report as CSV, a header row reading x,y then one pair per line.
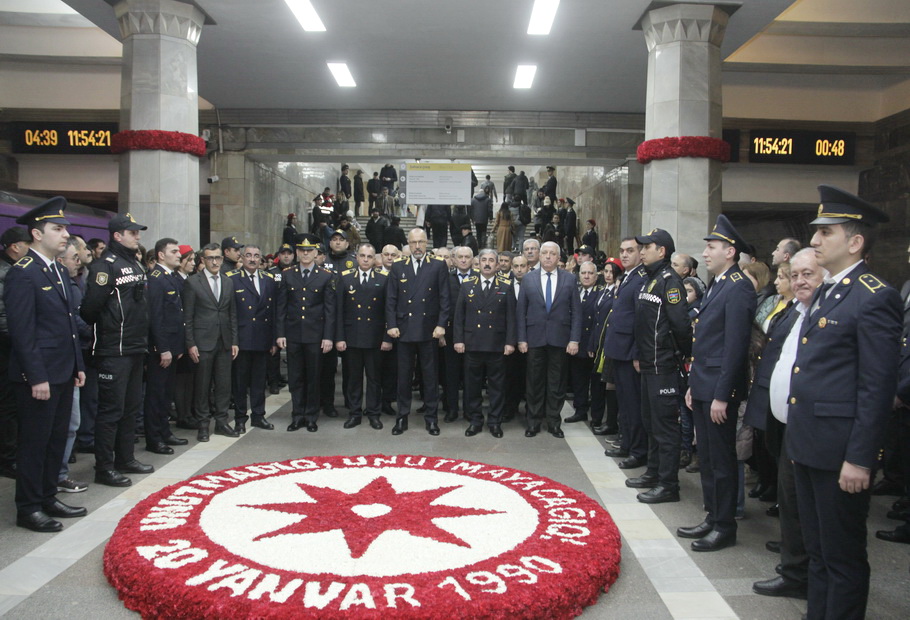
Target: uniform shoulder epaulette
x,y
347,271
269,274
503,280
599,287
382,270
870,282
156,273
110,259
666,275
24,262
402,258
470,279
438,258
231,274
736,277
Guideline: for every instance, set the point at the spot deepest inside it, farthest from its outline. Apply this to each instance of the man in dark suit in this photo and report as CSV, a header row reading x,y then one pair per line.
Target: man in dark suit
x,y
841,394
45,365
580,364
549,328
254,293
488,303
360,335
417,311
767,410
167,344
306,333
549,188
516,365
211,340
619,346
718,382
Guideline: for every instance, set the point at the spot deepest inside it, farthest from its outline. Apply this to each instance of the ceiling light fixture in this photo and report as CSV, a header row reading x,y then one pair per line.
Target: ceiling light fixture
x,y
342,74
542,16
524,76
305,13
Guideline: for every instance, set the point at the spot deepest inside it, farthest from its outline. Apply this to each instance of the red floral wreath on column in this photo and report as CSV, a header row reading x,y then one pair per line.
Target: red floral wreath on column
x,y
157,140
683,146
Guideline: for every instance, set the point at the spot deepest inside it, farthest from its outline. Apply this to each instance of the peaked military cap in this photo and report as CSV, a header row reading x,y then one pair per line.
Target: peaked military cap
x,y
48,211
230,242
307,241
124,221
724,231
659,236
838,207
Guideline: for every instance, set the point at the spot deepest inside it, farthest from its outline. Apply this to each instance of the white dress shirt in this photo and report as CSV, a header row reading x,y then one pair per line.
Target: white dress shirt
x,y
779,389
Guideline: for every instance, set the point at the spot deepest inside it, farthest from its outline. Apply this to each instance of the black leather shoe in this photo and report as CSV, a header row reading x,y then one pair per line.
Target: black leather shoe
x,y
604,430
331,413
898,535
225,430
899,515
532,431
781,586
203,433
451,416
714,541
296,424
8,470
697,531
72,458
240,427
172,440
757,490
633,462
262,423
112,478
87,448
38,522
387,409
159,448
312,427
352,422
134,467
60,510
644,481
901,504
422,409
659,495
401,425
473,429
376,423
274,389
616,453
773,546
770,495
496,431
773,511
578,417
557,432
433,428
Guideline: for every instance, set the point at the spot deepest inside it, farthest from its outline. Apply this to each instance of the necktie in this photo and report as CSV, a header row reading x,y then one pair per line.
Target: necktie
x,y
306,275
416,267
584,296
549,294
60,278
215,288
486,288
823,294
255,280
363,280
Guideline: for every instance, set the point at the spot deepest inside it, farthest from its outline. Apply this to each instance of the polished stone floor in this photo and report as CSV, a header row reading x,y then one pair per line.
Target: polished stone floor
x,y
59,576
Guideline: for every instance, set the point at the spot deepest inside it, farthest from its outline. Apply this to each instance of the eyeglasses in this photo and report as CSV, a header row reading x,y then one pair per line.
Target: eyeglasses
x,y
213,258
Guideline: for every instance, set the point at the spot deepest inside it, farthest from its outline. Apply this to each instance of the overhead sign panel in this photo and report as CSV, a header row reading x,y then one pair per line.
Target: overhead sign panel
x,y
437,184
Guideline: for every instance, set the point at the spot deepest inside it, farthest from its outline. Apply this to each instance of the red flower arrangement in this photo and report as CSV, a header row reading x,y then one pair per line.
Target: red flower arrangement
x,y
683,146
364,537
156,140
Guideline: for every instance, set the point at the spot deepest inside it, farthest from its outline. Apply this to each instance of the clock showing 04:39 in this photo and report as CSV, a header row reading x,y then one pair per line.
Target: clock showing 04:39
x,y
830,148
62,138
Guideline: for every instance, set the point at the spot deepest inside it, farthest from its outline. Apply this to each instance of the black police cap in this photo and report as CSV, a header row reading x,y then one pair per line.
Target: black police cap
x,y
49,211
124,221
724,231
839,207
659,236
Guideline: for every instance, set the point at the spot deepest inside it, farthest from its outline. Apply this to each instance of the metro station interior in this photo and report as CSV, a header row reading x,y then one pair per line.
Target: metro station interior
x,y
435,83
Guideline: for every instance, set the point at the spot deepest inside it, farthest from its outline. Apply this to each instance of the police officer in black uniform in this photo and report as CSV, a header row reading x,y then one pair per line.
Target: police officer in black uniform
x,y
305,326
230,249
167,344
254,298
45,365
116,304
286,260
360,334
339,258
484,330
662,334
582,362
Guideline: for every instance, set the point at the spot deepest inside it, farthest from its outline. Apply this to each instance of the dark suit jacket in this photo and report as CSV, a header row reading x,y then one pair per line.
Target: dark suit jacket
x,y
588,308
361,310
255,311
562,324
417,304
166,332
306,312
603,304
759,405
619,341
41,324
720,339
206,319
848,357
485,323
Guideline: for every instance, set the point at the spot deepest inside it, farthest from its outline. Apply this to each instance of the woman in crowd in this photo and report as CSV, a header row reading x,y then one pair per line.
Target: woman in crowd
x,y
503,228
775,304
590,238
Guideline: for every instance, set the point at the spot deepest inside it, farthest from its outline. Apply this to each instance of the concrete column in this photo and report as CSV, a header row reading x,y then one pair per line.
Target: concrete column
x,y
159,91
683,196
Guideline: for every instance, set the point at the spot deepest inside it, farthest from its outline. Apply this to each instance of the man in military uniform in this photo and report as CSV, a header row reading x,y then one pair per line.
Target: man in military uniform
x,y
166,345
306,333
516,364
453,367
417,310
662,335
360,334
45,365
273,364
254,297
619,346
580,364
115,303
230,251
388,368
484,331
340,258
841,393
718,382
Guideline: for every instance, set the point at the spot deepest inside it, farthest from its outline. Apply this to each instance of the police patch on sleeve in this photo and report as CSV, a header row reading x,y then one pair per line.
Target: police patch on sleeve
x,y
101,278
674,296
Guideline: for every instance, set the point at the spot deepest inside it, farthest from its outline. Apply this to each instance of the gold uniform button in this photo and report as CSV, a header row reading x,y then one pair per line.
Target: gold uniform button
x,y
254,319
793,401
796,370
805,340
693,339
696,321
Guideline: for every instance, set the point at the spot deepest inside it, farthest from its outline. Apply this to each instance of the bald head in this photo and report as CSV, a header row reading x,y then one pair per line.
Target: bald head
x,y
417,242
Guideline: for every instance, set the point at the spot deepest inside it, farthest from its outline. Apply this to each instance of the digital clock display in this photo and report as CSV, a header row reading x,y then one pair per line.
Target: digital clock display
x,y
62,138
830,148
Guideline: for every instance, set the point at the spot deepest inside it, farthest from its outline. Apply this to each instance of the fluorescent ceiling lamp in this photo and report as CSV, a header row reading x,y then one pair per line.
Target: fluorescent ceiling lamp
x,y
542,16
305,13
524,76
342,74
